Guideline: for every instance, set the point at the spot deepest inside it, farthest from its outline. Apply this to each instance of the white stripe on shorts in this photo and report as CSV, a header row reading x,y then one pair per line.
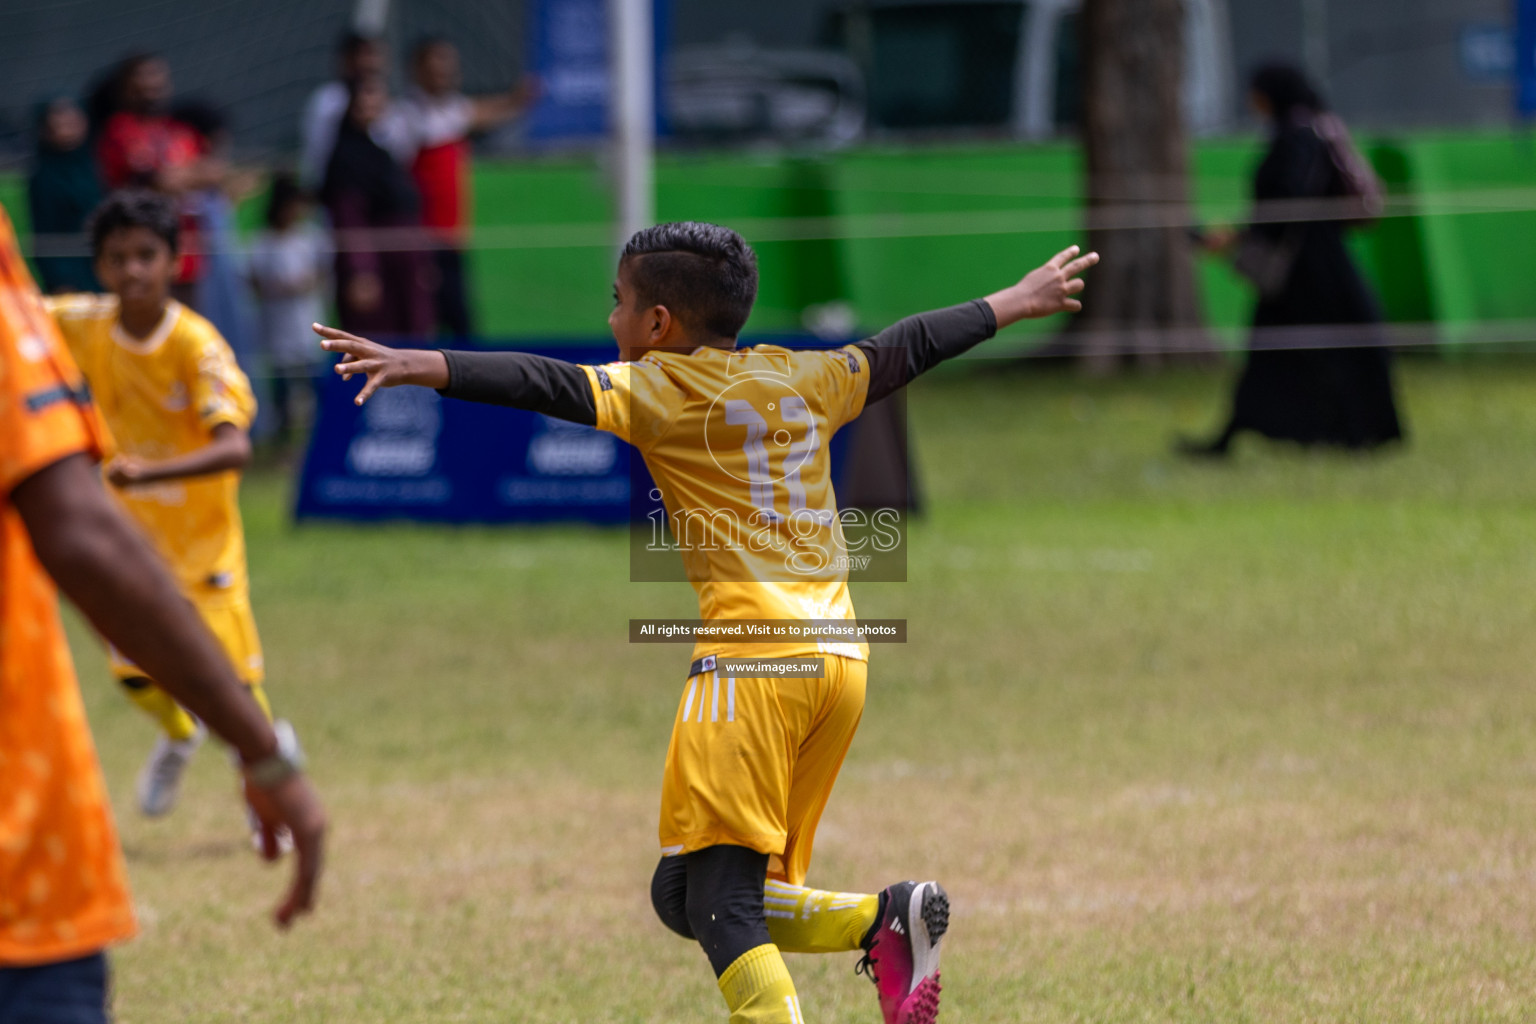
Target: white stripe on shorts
x,y
688,704
730,700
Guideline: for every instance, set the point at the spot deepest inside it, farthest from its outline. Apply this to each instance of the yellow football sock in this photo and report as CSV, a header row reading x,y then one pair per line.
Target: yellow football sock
x,y
261,699
802,920
758,990
172,718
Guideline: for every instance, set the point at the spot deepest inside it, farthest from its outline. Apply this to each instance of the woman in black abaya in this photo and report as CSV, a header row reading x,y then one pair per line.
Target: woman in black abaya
x,y
1318,372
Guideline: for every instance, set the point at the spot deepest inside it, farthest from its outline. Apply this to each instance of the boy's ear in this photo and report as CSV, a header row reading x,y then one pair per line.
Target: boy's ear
x,y
660,325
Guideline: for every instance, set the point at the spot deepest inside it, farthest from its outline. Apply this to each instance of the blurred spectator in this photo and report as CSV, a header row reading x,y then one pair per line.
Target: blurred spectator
x,y
1306,386
220,296
383,276
437,119
63,190
140,144
357,56
288,273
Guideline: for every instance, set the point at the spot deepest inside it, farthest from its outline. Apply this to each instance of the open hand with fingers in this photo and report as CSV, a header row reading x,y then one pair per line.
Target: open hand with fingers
x,y
384,367
291,806
1047,289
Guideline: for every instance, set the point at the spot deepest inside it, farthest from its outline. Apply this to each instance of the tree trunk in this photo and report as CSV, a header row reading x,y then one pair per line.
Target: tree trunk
x,y
1141,301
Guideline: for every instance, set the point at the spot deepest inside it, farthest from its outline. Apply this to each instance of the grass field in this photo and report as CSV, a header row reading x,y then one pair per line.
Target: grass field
x,y
1252,742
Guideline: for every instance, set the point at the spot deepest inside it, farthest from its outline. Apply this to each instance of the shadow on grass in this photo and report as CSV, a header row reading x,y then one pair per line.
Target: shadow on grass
x,y
199,849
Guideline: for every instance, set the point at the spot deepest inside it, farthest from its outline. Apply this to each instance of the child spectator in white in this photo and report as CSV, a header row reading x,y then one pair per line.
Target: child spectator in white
x,y
290,261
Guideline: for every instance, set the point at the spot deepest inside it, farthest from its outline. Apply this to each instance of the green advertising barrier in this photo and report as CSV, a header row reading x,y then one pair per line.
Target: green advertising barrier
x,y
935,226
891,230
13,196
887,230
1476,199
543,260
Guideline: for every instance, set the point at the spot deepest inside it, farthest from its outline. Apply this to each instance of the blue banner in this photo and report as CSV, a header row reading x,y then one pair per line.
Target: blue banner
x,y
569,41
411,454
1487,52
1525,57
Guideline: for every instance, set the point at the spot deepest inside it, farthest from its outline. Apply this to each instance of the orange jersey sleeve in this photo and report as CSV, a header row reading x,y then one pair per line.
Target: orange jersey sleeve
x,y
44,404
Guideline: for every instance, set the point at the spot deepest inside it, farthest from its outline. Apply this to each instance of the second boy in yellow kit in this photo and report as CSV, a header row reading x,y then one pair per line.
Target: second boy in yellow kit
x,y
179,409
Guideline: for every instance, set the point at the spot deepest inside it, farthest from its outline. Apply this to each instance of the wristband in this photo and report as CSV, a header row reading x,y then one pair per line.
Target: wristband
x,y
281,765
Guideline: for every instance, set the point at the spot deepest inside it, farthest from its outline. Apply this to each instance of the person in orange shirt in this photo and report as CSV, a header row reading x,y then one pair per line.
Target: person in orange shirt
x,y
63,888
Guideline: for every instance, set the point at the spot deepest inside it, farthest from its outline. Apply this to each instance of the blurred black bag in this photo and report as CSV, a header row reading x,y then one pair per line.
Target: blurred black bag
x,y
1267,261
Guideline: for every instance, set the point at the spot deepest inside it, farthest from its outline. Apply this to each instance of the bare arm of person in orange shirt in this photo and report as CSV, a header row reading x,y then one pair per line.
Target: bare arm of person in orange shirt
x,y
230,448
109,571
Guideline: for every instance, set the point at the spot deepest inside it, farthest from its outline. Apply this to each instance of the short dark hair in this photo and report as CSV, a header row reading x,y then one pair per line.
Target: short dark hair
x,y
135,208
705,275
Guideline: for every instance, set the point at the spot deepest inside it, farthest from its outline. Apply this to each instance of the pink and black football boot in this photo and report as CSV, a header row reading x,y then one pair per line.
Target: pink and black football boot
x,y
901,953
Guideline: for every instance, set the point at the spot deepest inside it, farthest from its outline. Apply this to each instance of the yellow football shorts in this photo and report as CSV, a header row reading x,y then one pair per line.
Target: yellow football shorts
x,y
752,762
233,625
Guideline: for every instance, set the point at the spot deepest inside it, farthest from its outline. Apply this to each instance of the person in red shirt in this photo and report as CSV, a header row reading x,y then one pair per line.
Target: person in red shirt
x,y
436,121
140,145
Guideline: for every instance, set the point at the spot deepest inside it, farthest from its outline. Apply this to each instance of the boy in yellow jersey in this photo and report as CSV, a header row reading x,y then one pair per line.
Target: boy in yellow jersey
x,y
179,409
737,442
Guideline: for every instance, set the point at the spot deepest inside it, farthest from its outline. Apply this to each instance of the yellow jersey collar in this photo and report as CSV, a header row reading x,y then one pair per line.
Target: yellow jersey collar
x,y
156,338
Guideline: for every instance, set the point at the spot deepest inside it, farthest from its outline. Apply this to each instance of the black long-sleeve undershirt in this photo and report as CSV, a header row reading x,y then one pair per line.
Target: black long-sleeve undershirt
x,y
897,356
522,380
909,348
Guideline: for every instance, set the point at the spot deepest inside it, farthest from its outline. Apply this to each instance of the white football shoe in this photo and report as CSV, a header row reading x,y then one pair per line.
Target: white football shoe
x,y
160,778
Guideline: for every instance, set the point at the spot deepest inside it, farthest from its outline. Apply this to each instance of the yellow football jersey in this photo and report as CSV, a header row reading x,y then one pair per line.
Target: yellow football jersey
x,y
737,442
161,397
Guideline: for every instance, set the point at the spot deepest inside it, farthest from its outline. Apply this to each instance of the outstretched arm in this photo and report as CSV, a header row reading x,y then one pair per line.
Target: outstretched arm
x,y
907,349
517,379
109,571
486,112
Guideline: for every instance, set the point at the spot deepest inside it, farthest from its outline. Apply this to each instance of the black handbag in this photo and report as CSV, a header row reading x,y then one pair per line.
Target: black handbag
x,y
1267,262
